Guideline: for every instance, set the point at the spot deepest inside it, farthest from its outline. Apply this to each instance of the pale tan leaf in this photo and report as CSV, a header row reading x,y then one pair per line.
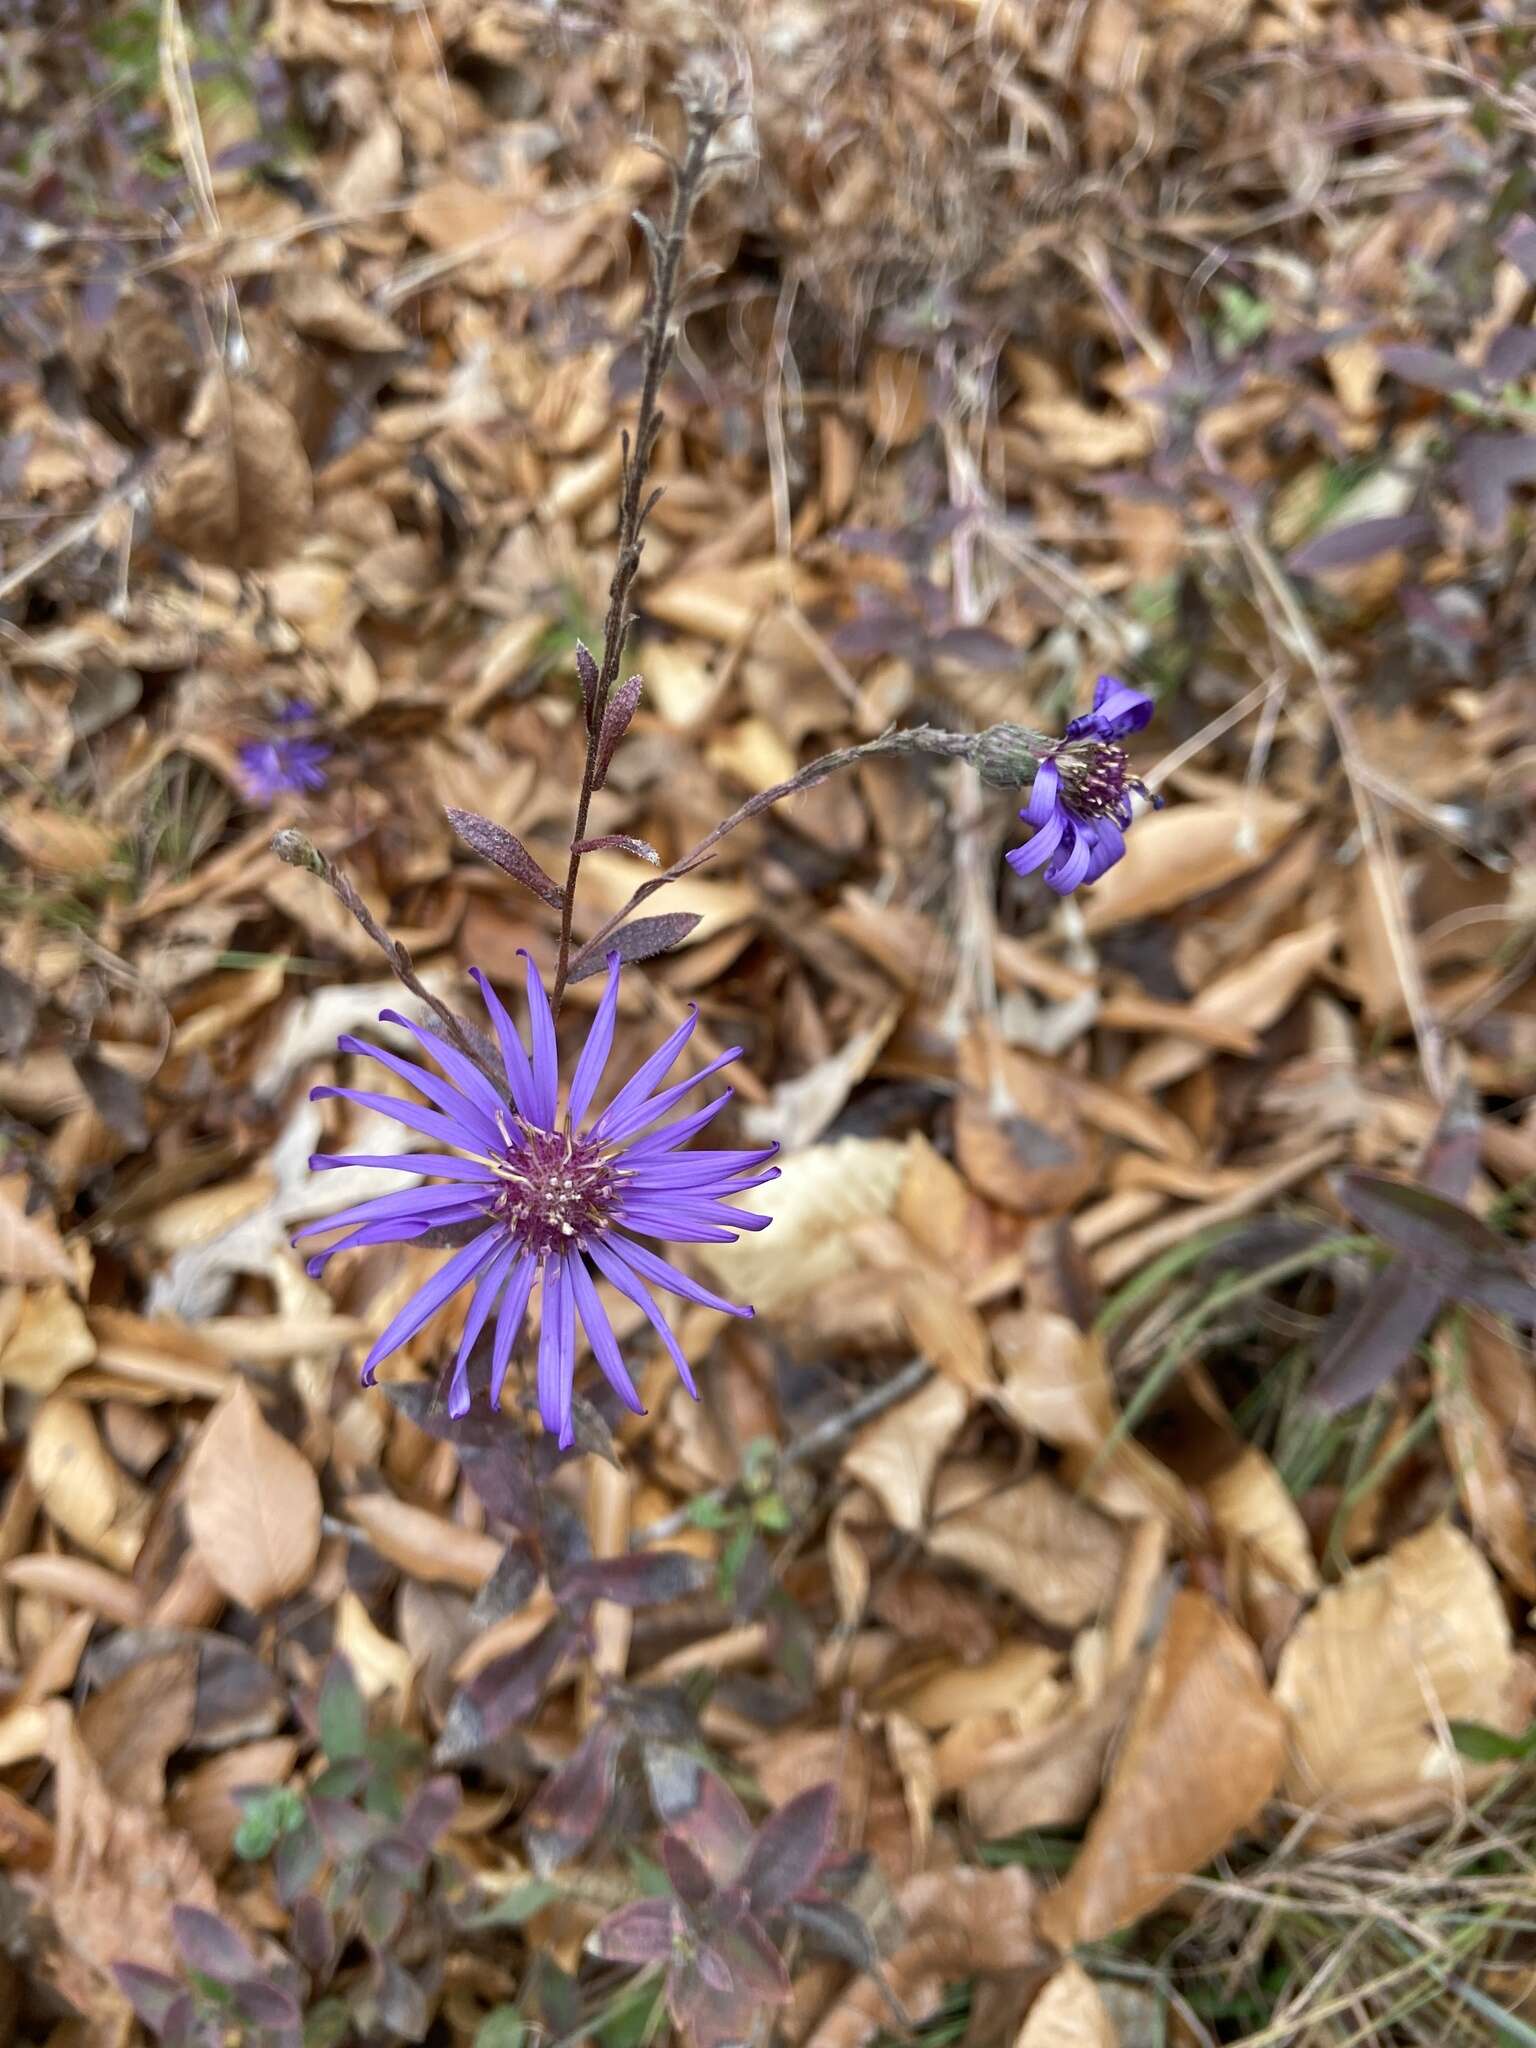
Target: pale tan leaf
x,y
138,1720
30,1247
1001,1684
378,1664
1255,994
1187,851
85,1494
252,1504
1055,1378
946,1330
51,1340
1252,1509
79,1583
1476,1451
897,1455
321,306
1069,2013
424,1544
1056,1555
1384,1660
1018,1138
57,843
243,495
820,1196
203,1801
1203,1752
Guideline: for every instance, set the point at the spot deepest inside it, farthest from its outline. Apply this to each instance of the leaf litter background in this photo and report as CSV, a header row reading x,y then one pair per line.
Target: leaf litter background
x,y
1165,1624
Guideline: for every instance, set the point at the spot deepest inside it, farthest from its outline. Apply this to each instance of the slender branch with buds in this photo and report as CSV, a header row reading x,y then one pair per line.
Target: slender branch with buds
x,y
606,714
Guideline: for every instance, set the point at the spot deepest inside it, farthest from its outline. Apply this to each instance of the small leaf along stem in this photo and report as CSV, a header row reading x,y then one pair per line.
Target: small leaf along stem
x,y
706,111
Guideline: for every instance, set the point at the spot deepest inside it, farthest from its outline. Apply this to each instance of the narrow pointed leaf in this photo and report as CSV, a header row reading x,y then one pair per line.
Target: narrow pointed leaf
x,y
504,850
643,938
619,842
791,1846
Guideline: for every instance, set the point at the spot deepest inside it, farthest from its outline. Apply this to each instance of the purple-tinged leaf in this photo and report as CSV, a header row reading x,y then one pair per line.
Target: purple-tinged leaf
x,y
1510,355
976,645
571,1804
647,1578
587,674
1494,1285
617,713
211,1946
508,1588
150,1992
504,850
685,1873
432,1812
494,1458
643,938
341,1713
1519,245
619,842
267,2005
505,1693
836,1930
640,1933
1430,368
886,631
297,1859
695,1803
182,2026
381,1907
346,1829
1441,1236
1361,541
791,1846
1390,1318
313,1936
1487,468
400,2000
754,1962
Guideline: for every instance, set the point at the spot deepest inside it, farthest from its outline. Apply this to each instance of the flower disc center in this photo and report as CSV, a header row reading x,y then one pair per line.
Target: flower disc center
x,y
554,1190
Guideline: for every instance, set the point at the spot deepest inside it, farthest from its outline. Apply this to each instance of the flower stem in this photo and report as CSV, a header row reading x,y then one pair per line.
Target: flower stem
x,y
706,111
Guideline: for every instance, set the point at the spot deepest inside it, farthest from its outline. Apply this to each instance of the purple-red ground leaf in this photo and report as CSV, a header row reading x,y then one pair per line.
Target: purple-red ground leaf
x,y
754,1961
570,1805
313,1936
508,1588
1363,540
639,1933
644,1579
1392,1315
1487,468
643,938
685,1873
789,1849
504,850
1445,1239
267,2005
501,1696
1430,368
696,1804
150,1992
211,1946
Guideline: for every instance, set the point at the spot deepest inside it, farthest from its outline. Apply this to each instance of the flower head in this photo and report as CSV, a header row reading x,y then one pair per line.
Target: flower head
x,y
550,1198
1080,804
287,763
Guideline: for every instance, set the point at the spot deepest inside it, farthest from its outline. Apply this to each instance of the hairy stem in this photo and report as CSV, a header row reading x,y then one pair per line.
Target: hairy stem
x,y
917,739
705,113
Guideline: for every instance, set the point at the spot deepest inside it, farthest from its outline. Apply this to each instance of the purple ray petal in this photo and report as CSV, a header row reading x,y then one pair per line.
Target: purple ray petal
x,y
546,1058
442,1164
660,1274
427,1300
658,1143
556,1363
418,1203
594,1054
622,1276
509,1321
1025,859
1071,868
1043,794
477,1126
645,1076
605,1346
513,1058
635,1120
463,1073
474,1322
446,1130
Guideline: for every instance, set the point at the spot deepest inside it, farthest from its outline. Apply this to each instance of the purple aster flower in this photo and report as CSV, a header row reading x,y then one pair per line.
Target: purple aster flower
x,y
551,1198
1080,804
286,764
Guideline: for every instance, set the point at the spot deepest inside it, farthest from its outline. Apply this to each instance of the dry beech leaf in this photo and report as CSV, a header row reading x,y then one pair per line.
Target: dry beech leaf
x,y
1069,2013
424,1544
945,1329
1187,851
320,305
1050,1776
1056,1555
84,1493
897,1456
1203,1753
135,1723
56,843
252,1504
1384,1659
30,1247
1255,994
1018,1138
203,1802
1253,1510
959,1923
1476,1451
242,496
1055,1378
51,1340
815,1203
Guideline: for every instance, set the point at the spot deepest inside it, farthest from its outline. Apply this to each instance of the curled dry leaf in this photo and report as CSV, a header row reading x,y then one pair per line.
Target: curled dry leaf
x,y
1057,1556
1069,2013
135,1723
242,495
252,1503
50,1341
423,1544
897,1456
1186,851
30,1247
959,1923
1203,1753
1018,1138
84,1493
1385,1659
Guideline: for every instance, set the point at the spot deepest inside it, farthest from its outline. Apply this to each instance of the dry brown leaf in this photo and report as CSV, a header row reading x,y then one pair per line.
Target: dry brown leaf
x,y
1056,1555
252,1504
30,1247
242,496
1018,1139
945,1329
815,1203
1384,1660
134,1724
897,1456
1203,1753
1005,1683
1187,851
79,1583
1069,2013
51,1340
1475,1448
84,1493
959,1923
58,843
321,306
424,1544
1255,994
1055,1378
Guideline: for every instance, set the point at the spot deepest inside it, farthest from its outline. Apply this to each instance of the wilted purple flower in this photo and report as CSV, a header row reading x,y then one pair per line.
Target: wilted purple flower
x,y
284,765
1080,803
552,1195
